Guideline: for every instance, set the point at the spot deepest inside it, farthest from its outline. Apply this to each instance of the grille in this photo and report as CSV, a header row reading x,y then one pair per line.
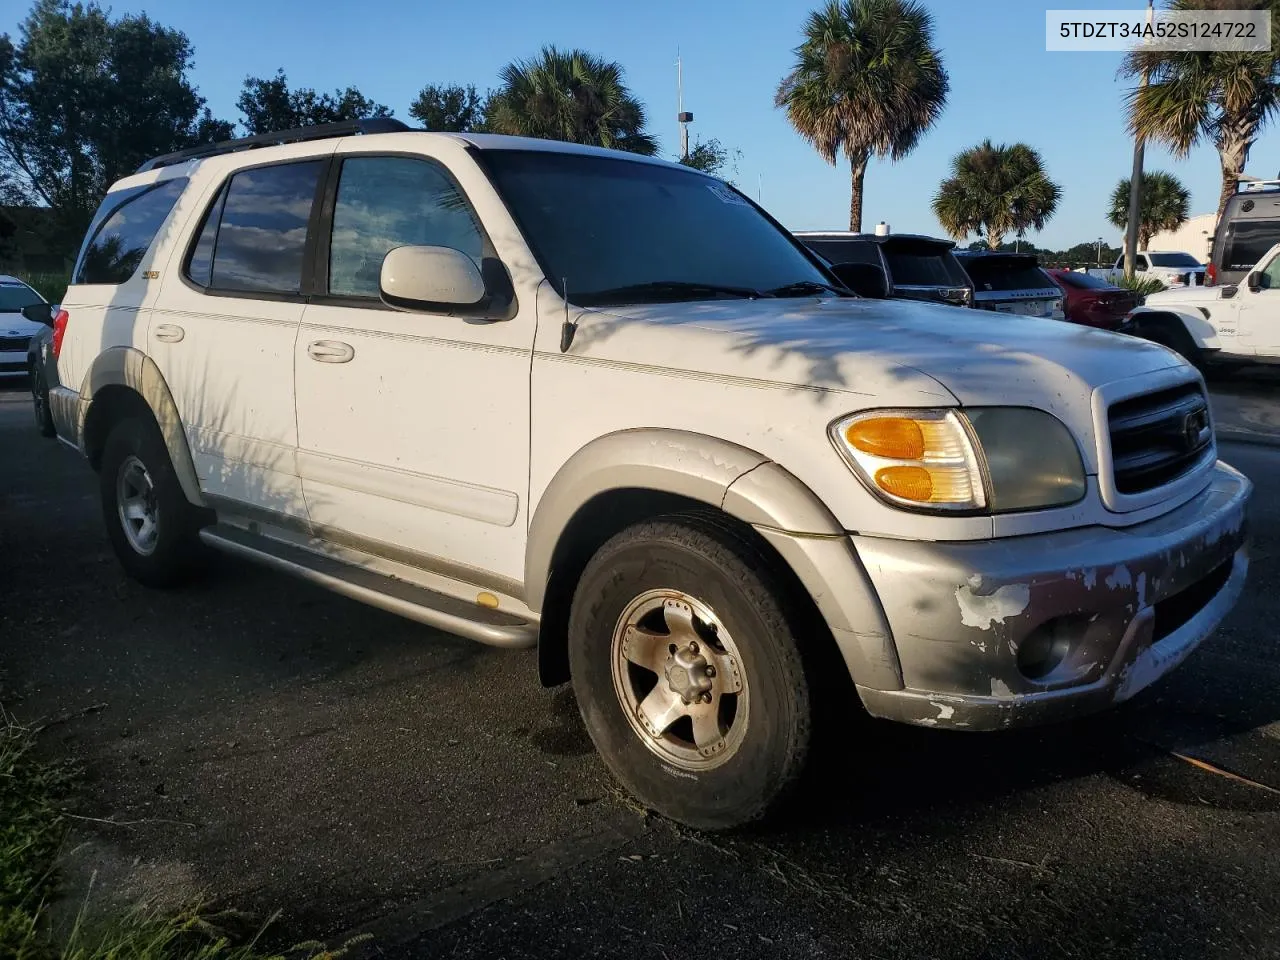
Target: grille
x,y
1159,437
18,367
14,343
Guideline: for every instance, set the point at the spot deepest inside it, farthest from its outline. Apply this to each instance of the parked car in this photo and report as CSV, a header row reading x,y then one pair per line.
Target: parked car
x,y
1248,228
537,393
1093,301
42,371
915,267
1173,268
1012,283
16,330
1227,323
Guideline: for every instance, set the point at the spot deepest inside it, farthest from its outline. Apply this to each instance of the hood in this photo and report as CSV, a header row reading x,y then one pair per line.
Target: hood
x,y
895,351
1171,298
16,325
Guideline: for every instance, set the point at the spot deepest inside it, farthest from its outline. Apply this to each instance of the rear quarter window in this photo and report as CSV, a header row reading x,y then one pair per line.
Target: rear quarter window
x,y
1247,241
126,232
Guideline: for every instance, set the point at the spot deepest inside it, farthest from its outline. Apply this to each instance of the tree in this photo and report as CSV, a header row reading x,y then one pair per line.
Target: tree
x,y
450,108
85,99
1224,98
994,191
1165,204
570,95
269,105
711,156
867,80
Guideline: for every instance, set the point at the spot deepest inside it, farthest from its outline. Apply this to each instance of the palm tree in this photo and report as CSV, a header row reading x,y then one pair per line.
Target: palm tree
x,y
1165,203
1225,98
867,80
569,95
996,190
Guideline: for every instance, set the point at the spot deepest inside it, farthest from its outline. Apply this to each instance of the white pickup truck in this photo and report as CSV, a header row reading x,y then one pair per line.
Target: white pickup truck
x,y
1231,323
1171,267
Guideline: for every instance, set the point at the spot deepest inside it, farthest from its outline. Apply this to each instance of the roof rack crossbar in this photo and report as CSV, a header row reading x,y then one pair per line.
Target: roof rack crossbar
x,y
320,131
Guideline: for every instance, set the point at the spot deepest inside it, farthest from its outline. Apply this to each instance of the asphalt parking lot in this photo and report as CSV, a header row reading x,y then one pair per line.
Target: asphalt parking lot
x,y
259,741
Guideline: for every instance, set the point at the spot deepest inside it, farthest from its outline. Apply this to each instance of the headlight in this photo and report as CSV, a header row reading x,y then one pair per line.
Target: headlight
x,y
989,459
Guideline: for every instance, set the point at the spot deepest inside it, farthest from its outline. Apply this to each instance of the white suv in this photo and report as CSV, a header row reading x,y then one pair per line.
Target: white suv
x,y
536,393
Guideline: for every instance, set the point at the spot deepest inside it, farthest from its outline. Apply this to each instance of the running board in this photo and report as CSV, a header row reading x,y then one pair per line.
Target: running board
x,y
491,627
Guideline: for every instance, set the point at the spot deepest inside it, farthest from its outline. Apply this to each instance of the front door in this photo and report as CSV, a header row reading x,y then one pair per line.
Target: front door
x,y
1260,309
413,427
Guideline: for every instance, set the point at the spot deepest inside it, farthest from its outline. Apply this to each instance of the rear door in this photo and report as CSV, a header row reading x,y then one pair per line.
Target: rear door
x,y
223,335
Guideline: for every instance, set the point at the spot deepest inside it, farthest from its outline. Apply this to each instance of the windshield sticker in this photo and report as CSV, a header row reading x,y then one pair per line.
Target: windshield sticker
x,y
725,194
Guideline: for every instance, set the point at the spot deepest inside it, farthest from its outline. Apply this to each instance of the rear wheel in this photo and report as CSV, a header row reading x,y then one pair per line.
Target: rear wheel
x,y
153,527
40,404
687,672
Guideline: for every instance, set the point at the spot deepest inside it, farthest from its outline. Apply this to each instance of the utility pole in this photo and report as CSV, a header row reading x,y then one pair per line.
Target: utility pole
x,y
1135,184
760,188
684,118
1099,257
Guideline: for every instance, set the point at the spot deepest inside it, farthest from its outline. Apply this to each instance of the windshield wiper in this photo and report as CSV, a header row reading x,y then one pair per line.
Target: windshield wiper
x,y
803,287
664,290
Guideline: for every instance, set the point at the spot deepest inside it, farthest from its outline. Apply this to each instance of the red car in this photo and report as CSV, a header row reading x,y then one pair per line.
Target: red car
x,y
1093,301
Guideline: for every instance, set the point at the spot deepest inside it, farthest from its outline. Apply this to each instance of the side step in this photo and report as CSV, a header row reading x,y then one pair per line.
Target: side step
x,y
492,627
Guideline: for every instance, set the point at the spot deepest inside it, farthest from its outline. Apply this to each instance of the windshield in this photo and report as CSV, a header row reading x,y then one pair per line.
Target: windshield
x,y
1085,281
999,273
912,268
15,296
1173,260
619,231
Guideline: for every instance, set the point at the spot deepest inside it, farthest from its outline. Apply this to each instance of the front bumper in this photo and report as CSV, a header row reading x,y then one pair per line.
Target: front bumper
x,y
1128,605
13,363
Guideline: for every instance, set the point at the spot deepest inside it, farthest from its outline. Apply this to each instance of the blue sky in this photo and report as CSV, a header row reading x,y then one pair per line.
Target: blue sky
x,y
1004,85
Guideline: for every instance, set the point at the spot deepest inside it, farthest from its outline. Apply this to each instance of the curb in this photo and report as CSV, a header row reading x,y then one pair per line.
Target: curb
x,y
1248,439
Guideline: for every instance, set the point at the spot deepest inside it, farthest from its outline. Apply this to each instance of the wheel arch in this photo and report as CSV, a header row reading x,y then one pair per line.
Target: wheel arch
x,y
626,477
124,380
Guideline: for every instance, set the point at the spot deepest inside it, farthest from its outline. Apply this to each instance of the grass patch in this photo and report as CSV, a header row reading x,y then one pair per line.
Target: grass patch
x,y
51,286
33,826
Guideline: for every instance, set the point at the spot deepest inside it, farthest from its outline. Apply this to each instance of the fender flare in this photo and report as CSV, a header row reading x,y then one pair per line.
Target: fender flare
x,y
747,486
131,368
1191,323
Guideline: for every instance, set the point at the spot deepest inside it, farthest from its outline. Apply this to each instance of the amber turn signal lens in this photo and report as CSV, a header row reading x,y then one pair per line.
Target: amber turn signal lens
x,y
893,438
909,483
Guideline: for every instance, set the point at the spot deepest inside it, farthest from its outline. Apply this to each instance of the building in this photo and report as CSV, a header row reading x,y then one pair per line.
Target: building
x,y
1195,237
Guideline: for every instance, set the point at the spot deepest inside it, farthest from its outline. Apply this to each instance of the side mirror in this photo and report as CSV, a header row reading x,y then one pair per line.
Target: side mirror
x,y
864,279
39,313
1254,282
436,279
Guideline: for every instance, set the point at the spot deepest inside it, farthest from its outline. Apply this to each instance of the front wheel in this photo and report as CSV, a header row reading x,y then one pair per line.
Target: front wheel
x,y
153,527
1176,340
687,672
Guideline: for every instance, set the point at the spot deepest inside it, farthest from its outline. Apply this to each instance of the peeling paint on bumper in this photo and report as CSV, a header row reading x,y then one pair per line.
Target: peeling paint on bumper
x,y
1135,601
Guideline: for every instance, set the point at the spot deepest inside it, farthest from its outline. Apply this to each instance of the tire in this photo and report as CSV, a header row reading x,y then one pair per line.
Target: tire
x,y
40,404
159,545
670,578
1176,340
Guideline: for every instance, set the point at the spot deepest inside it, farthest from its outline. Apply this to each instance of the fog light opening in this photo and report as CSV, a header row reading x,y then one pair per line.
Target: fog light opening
x,y
1045,648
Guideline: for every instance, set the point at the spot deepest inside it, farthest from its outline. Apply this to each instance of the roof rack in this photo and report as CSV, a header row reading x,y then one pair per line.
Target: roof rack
x,y
320,131
1245,184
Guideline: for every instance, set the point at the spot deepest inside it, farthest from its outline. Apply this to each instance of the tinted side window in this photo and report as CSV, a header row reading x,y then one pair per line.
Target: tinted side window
x,y
1247,243
124,236
263,232
844,251
200,266
386,202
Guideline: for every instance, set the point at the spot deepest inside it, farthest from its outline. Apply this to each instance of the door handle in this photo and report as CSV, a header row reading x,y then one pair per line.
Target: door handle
x,y
169,333
330,351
